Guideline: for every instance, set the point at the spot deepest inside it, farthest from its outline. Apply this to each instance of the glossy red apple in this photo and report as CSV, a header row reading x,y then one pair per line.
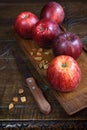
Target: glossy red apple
x,y
67,43
24,24
53,11
64,73
44,32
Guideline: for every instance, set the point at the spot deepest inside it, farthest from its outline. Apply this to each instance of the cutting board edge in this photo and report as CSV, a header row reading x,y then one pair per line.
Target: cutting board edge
x,y
67,111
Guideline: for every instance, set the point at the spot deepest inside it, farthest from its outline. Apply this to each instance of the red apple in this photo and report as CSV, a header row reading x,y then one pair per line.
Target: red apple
x,y
24,24
64,73
67,43
53,11
44,32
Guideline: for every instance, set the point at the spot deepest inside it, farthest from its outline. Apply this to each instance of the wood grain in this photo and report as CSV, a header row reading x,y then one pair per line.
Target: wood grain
x,y
73,101
28,115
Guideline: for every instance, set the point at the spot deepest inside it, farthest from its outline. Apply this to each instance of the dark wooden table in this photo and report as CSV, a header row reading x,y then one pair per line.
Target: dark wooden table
x,y
27,115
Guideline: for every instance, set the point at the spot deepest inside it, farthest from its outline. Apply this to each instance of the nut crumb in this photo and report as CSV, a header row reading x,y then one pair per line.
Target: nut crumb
x,y
40,50
23,99
45,66
46,52
21,91
38,54
38,58
11,105
15,99
40,65
31,53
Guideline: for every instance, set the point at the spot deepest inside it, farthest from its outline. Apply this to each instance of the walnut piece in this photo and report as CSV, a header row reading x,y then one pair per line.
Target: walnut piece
x,y
21,91
31,53
11,105
43,64
46,52
15,99
38,54
38,58
23,99
40,50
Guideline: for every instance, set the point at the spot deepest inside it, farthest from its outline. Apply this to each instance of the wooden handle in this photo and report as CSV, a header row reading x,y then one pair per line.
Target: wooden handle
x,y
38,95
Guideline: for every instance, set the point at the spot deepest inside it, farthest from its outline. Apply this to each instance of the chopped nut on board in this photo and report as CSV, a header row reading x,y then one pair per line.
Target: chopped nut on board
x,y
38,58
40,50
38,54
43,64
31,53
46,52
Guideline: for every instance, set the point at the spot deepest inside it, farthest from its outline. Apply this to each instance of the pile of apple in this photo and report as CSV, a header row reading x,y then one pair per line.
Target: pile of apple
x,y
63,72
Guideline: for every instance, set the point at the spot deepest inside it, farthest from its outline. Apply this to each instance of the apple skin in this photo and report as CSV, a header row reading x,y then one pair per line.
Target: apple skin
x,y
44,32
64,73
67,43
53,11
24,23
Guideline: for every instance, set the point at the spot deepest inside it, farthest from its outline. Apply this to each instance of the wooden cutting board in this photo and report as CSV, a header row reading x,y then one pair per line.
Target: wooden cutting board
x,y
72,102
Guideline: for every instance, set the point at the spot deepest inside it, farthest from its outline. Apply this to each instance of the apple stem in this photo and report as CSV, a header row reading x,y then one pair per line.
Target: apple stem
x,y
63,28
25,16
